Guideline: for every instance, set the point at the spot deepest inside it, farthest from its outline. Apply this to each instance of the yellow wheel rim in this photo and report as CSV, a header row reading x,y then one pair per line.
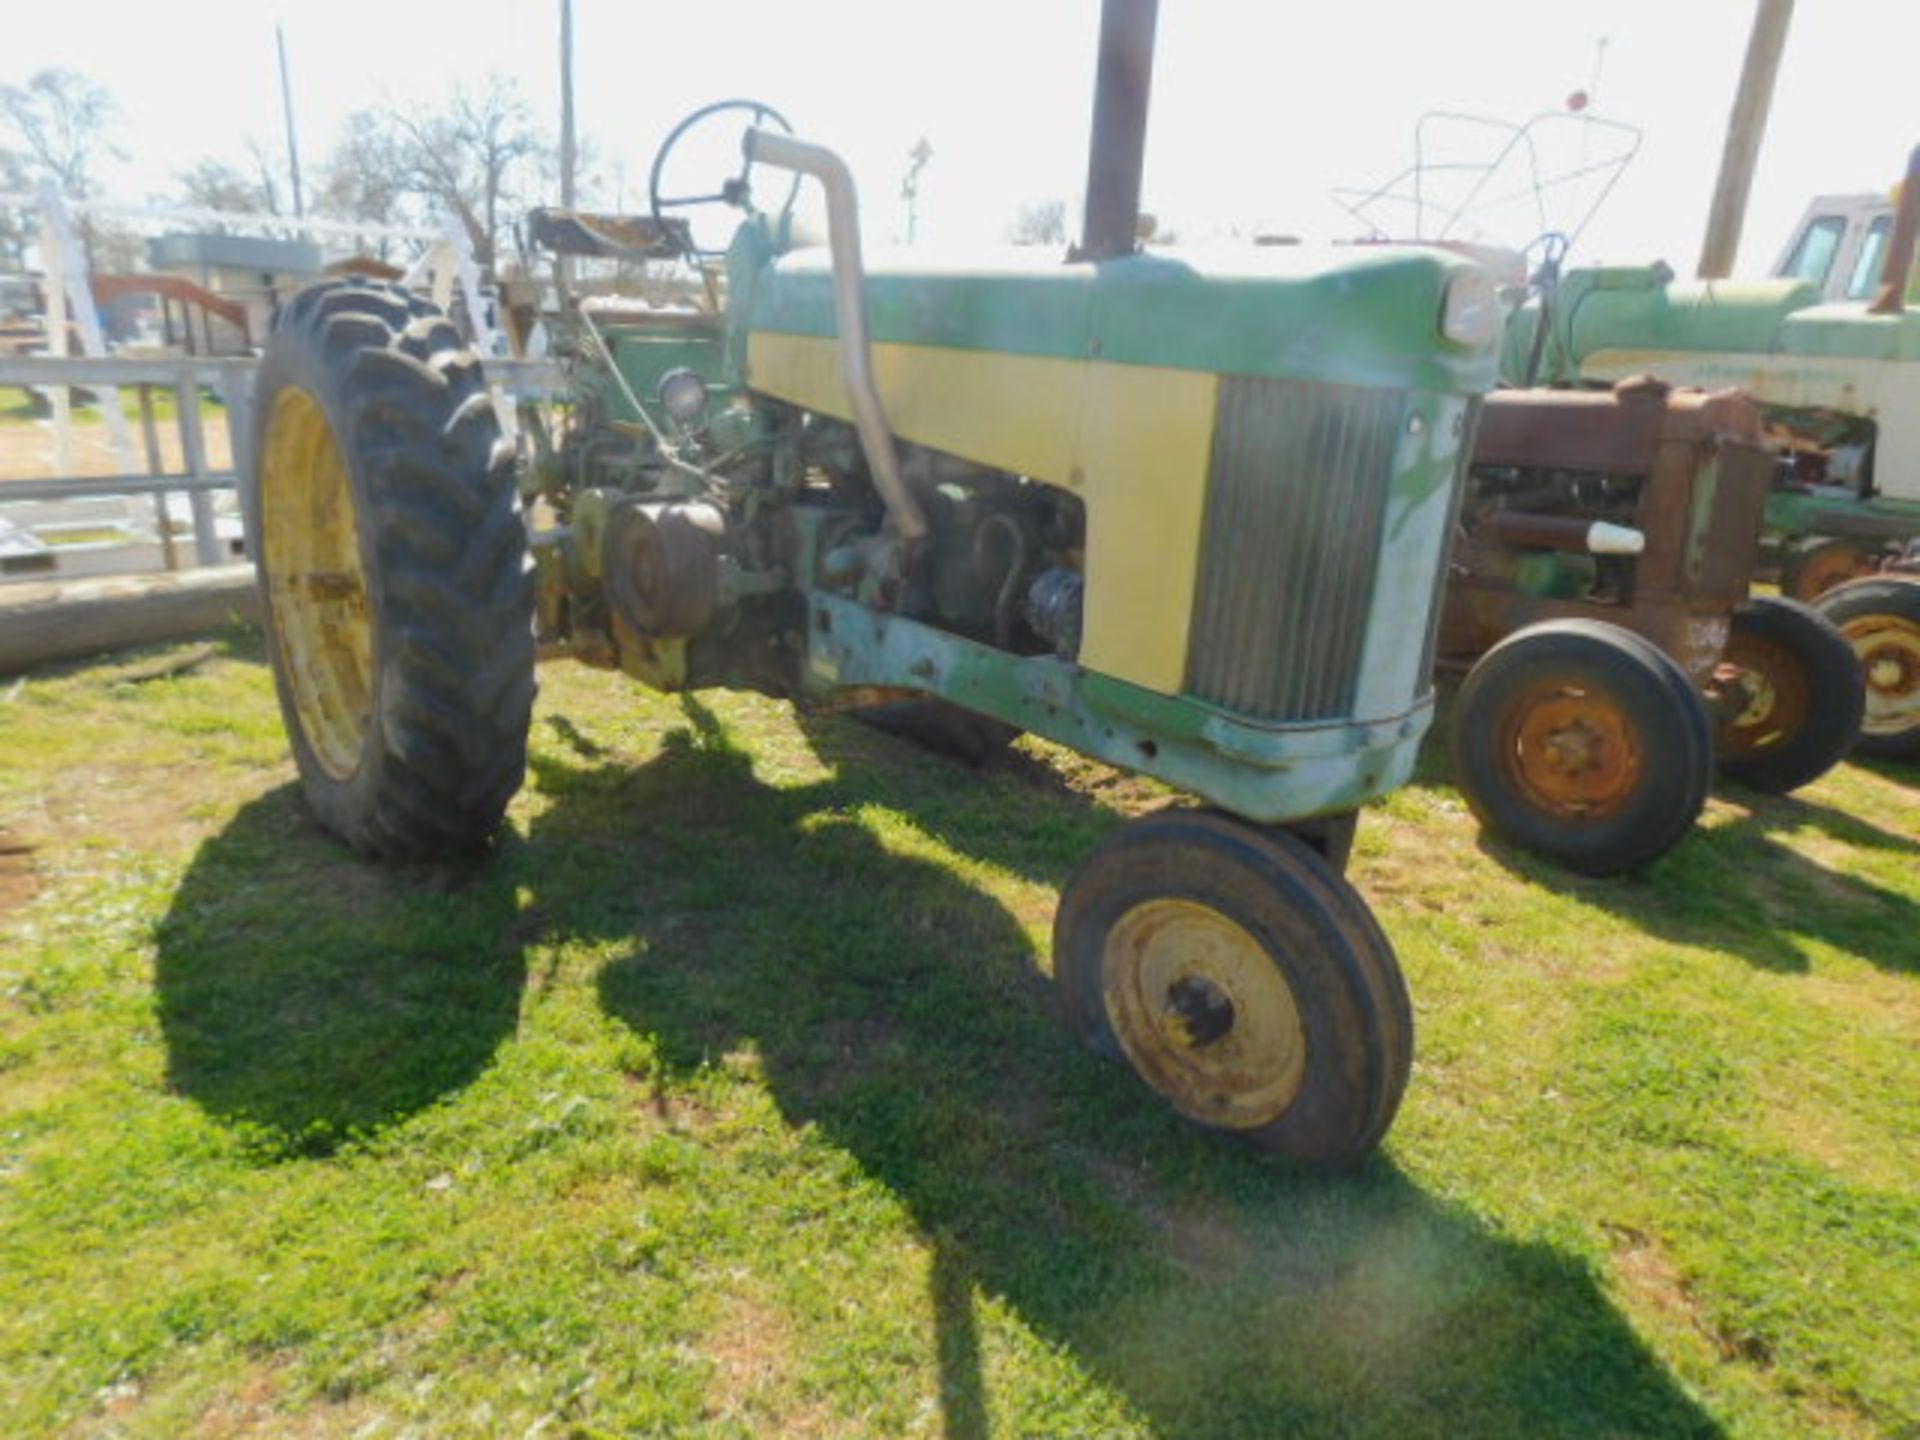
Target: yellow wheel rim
x,y
1889,651
1204,1013
316,583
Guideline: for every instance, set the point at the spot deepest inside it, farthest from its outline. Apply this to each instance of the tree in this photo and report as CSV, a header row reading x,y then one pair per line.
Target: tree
x,y
63,120
477,160
366,176
17,227
215,185
1042,223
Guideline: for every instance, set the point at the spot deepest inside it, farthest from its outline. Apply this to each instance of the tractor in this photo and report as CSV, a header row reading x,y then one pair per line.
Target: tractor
x,y
1600,596
1838,381
1188,517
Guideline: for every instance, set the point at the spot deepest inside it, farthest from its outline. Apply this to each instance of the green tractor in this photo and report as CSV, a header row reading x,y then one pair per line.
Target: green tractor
x,y
1829,348
1190,519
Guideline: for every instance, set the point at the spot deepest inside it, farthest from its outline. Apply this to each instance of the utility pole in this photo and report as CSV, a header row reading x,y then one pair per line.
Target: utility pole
x,y
293,145
566,104
1745,128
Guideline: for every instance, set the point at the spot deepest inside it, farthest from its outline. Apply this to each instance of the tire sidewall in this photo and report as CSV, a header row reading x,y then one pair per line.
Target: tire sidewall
x,y
1288,910
1646,686
294,359
1835,688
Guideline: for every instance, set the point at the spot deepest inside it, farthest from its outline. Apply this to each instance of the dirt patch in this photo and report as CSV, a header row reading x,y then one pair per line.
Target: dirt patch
x,y
752,1352
18,881
28,451
144,808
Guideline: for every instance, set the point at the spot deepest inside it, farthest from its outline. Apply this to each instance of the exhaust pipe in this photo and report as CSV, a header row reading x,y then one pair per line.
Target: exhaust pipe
x,y
784,152
1895,274
1109,226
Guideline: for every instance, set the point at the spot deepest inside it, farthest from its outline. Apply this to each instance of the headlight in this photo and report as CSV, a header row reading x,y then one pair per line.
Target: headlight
x,y
683,394
1471,314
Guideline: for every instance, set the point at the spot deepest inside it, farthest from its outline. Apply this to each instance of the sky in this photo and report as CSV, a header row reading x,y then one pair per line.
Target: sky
x,y
1261,108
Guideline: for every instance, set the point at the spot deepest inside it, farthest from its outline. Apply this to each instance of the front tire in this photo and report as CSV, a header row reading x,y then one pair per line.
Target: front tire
x,y
394,571
1881,620
1583,742
1794,690
1242,980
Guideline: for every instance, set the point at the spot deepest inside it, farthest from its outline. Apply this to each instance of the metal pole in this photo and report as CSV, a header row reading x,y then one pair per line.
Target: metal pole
x,y
193,442
150,432
293,145
566,104
1746,126
1117,151
563,264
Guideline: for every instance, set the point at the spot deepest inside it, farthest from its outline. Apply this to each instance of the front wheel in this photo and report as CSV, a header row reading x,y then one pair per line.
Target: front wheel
x,y
1242,979
1790,695
393,562
1881,620
1583,742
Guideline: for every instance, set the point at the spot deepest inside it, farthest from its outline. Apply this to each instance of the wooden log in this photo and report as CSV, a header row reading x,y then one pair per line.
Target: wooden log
x,y
78,618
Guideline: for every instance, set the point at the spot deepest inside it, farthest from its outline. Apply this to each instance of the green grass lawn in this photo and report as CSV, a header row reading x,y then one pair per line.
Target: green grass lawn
x,y
725,1099
19,407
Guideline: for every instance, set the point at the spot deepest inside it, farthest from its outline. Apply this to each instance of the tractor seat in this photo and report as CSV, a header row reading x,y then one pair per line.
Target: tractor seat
x,y
608,237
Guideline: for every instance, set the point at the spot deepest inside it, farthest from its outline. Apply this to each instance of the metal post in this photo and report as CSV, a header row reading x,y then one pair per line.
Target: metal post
x,y
293,145
1745,128
564,263
1117,151
150,433
193,441
236,391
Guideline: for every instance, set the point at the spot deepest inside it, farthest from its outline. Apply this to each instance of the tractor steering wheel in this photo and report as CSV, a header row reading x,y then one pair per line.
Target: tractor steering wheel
x,y
736,190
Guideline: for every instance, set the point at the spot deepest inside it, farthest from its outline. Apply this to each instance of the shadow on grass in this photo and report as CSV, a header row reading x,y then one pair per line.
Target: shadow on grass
x,y
1734,887
899,1010
308,998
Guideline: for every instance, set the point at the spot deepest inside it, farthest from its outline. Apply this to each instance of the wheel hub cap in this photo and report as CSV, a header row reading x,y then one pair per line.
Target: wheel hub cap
x,y
1889,651
1571,750
316,583
1204,1013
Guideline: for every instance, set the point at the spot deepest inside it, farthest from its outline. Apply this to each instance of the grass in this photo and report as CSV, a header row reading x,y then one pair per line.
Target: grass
x,y
724,1098
20,407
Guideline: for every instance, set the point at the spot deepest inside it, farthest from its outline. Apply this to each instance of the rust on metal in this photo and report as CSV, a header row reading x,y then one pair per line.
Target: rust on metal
x,y
1701,473
1572,749
1760,689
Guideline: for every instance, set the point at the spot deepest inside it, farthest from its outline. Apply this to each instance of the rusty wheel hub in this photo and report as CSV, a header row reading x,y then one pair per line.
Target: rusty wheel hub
x,y
1760,690
1889,651
1571,749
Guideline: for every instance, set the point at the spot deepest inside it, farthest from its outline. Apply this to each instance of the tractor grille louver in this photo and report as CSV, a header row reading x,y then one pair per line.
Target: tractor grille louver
x,y
1295,503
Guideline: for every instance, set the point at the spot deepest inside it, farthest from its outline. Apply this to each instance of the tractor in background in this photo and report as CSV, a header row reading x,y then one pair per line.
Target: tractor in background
x,y
1598,595
1190,518
1838,382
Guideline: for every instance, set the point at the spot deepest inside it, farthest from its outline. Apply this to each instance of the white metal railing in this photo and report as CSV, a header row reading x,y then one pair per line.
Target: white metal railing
x,y
197,480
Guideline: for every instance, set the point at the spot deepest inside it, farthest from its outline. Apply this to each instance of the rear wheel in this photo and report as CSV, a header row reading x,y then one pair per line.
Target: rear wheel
x,y
1814,566
1242,979
393,563
1789,692
1585,743
1881,620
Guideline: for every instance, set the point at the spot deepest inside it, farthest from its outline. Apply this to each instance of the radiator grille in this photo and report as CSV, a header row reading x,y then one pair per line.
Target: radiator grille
x,y
1469,437
1295,504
